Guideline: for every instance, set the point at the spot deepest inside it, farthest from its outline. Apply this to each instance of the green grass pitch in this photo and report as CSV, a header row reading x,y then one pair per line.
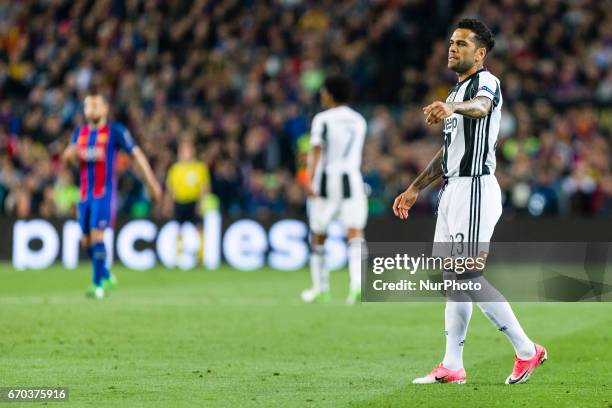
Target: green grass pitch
x,y
225,338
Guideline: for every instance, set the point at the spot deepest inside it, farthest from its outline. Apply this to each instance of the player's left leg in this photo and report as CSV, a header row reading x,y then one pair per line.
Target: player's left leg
x,y
528,355
487,211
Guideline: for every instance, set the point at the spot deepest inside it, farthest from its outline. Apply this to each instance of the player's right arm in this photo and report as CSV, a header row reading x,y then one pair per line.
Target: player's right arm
x,y
314,156
147,173
406,200
126,142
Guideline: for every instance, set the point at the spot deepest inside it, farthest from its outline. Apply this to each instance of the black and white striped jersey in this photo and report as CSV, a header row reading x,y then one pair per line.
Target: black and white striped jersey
x,y
341,133
469,143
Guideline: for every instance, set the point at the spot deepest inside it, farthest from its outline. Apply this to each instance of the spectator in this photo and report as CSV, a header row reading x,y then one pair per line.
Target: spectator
x,y
241,78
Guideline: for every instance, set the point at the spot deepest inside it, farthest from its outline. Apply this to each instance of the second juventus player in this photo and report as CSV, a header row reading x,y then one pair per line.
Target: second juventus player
x,y
470,204
335,186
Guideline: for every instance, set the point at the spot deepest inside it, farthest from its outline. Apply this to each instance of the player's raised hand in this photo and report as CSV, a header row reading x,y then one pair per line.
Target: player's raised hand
x,y
404,202
437,111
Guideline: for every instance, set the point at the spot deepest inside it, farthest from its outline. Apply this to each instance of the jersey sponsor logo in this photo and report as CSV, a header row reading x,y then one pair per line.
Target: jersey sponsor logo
x,y
92,154
450,124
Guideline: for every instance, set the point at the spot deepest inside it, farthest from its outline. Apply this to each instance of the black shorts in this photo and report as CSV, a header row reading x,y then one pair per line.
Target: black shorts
x,y
186,212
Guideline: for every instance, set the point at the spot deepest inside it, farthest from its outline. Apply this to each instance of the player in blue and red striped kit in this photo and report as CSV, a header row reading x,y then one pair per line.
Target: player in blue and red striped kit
x,y
95,146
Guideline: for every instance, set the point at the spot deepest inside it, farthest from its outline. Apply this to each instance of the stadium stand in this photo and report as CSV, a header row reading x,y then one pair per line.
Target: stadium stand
x,y
241,79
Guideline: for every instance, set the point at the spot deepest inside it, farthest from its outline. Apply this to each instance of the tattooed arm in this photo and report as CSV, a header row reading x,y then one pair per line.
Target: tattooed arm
x,y
406,200
431,173
477,107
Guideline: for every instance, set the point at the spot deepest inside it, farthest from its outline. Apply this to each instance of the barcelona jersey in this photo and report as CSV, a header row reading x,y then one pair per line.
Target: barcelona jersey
x,y
97,152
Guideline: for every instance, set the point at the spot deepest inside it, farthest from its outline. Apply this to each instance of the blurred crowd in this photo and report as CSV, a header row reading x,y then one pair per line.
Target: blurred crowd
x,y
240,78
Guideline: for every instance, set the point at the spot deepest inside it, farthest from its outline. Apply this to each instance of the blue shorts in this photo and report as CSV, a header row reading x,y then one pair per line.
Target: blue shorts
x,y
96,213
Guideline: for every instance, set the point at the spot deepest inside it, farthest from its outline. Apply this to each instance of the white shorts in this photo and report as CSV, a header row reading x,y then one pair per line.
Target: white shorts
x,y
468,210
351,212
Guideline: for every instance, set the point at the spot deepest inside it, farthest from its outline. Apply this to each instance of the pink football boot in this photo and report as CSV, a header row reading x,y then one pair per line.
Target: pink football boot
x,y
523,368
442,375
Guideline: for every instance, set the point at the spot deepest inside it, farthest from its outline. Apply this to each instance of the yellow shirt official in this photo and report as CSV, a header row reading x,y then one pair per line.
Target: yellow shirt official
x,y
186,180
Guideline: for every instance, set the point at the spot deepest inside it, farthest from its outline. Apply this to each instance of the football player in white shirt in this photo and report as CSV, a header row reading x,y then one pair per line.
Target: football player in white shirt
x,y
470,204
335,186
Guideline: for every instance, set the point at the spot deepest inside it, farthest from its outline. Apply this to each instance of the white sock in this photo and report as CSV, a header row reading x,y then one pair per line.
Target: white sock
x,y
318,271
357,250
457,317
502,316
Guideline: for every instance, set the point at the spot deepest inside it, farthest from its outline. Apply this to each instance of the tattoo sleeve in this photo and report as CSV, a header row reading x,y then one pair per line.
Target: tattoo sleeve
x,y
474,108
432,172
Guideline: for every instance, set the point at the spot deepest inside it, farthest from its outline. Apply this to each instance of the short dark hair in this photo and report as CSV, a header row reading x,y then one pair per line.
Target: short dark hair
x,y
339,88
96,90
483,35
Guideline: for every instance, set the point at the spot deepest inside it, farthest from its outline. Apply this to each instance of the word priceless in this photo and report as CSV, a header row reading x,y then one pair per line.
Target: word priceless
x,y
411,264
